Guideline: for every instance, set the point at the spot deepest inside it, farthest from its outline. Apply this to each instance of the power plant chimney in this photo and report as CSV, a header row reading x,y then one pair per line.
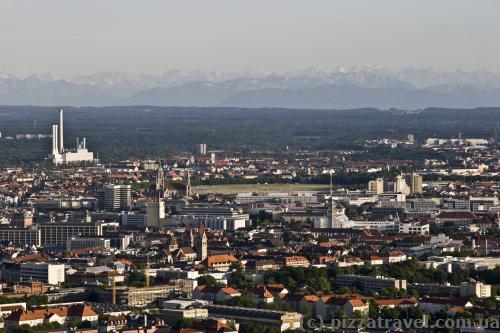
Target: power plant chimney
x,y
61,131
55,149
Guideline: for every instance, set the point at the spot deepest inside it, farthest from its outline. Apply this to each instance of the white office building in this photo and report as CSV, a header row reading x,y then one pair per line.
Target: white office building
x,y
414,228
44,272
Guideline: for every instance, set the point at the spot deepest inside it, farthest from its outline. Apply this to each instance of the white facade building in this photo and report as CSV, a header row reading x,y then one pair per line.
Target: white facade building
x,y
414,228
60,155
40,271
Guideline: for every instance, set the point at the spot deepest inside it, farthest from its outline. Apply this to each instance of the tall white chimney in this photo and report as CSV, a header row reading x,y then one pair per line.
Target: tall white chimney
x,y
84,143
61,131
55,149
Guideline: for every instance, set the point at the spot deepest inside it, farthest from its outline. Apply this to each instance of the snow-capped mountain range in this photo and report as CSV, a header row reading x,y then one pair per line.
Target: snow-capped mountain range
x,y
346,87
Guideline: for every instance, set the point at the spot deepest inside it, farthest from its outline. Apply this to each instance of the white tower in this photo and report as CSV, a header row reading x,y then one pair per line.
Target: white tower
x,y
330,214
61,131
55,147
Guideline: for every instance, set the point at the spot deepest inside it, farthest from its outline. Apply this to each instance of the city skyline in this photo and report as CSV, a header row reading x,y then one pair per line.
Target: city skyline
x,y
236,166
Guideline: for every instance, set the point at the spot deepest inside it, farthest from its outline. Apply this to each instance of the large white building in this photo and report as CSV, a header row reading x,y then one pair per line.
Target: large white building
x,y
62,156
337,219
213,218
41,271
304,197
414,228
400,185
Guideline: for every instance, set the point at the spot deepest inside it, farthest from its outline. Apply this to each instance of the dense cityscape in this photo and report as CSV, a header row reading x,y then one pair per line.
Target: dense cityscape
x,y
263,166
219,241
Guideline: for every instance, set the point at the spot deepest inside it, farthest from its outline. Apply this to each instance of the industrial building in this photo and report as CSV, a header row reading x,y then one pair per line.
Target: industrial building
x,y
60,155
280,319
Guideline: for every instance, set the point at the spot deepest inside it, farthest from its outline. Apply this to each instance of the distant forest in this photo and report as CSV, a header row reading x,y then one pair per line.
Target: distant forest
x,y
143,131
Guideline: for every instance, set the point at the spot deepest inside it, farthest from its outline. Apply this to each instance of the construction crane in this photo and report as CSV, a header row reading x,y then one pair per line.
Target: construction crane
x,y
113,291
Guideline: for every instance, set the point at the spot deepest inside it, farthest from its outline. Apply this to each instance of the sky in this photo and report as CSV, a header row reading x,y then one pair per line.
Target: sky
x,y
148,36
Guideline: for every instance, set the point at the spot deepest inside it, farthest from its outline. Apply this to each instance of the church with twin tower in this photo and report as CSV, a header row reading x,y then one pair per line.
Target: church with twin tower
x,y
61,155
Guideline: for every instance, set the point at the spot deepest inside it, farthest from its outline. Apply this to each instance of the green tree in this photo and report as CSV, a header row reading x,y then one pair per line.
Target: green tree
x,y
136,279
207,280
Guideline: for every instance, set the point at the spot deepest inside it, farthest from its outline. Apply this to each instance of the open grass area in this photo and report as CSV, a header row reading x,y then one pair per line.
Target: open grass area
x,y
235,188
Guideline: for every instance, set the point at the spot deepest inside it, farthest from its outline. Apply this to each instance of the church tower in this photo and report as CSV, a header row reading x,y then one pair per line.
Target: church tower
x,y
160,180
155,209
201,244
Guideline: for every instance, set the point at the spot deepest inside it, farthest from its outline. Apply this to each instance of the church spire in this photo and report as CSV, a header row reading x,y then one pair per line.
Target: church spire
x,y
160,180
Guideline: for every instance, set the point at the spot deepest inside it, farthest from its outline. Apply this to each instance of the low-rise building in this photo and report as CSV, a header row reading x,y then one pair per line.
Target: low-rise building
x,y
435,304
62,315
369,283
77,243
215,294
477,289
280,319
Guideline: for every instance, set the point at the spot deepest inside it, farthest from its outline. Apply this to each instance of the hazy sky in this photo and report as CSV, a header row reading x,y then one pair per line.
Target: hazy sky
x,y
69,36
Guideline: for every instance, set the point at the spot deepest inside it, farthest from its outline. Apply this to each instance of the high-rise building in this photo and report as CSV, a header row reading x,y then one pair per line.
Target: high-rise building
x,y
376,186
115,197
416,183
400,185
203,148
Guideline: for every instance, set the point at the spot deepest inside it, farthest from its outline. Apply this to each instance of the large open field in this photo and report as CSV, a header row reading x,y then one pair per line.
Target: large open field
x,y
235,188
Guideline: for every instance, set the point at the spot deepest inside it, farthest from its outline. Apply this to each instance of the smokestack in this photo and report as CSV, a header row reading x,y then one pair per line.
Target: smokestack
x,y
77,143
61,131
84,144
55,150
